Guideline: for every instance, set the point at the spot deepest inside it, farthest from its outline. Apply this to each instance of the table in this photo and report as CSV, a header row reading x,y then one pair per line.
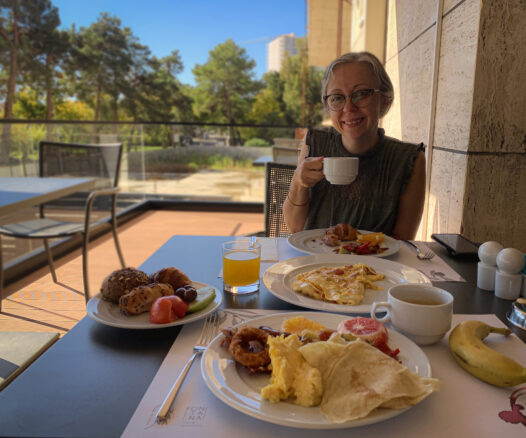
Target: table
x,y
91,381
261,161
19,192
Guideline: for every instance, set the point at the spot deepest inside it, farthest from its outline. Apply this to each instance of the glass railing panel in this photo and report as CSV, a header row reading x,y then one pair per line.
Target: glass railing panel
x,y
161,160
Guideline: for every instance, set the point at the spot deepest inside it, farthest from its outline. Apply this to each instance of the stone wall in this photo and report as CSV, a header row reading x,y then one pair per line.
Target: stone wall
x,y
477,157
495,193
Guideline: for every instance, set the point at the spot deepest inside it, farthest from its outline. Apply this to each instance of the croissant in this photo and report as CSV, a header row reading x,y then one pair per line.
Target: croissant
x,y
172,276
338,233
141,298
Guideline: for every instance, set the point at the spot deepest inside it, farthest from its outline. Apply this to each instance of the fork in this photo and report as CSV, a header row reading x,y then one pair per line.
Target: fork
x,y
209,331
423,252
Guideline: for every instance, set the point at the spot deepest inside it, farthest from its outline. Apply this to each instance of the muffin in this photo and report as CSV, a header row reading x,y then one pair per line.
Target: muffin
x,y
121,282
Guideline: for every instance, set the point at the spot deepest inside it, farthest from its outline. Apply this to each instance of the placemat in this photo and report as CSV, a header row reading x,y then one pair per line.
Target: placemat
x,y
19,349
436,268
464,406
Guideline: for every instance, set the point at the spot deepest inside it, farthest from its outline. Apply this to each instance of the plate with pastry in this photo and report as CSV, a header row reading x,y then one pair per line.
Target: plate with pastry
x,y
337,283
344,239
128,297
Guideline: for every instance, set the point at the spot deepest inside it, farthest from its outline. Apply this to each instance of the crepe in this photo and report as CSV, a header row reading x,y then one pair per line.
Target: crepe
x,y
357,378
341,285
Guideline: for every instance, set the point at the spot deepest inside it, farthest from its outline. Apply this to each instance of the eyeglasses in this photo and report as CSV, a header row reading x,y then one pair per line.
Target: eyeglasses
x,y
360,98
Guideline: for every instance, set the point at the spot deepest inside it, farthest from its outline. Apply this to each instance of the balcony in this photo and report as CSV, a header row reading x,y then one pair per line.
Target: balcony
x,y
175,179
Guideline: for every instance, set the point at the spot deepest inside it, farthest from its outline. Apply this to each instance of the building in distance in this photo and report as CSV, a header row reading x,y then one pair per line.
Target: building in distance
x,y
277,49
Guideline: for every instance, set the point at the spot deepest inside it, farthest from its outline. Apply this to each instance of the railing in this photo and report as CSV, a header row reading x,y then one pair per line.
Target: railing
x,y
180,162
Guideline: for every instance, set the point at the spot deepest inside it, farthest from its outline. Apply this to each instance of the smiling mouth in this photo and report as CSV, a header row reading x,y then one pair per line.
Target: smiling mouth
x,y
352,122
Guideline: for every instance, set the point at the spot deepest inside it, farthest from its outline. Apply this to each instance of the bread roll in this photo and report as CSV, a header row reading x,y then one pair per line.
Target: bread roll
x,y
140,299
172,276
121,282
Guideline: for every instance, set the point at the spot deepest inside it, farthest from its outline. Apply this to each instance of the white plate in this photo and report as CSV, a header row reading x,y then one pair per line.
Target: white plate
x,y
309,241
109,313
279,277
232,385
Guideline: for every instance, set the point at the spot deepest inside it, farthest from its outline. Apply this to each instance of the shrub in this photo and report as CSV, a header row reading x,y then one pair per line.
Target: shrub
x,y
257,142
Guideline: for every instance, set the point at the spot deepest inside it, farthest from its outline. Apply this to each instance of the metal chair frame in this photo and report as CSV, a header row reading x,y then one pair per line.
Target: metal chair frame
x,y
278,178
36,229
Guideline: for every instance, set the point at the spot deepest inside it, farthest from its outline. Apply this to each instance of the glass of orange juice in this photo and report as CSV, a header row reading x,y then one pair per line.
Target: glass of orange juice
x,y
241,260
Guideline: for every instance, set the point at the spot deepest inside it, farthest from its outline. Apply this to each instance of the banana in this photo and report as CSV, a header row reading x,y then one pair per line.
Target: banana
x,y
465,343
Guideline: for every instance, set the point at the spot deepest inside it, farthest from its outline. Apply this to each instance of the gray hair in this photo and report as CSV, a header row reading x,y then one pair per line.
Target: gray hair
x,y
386,86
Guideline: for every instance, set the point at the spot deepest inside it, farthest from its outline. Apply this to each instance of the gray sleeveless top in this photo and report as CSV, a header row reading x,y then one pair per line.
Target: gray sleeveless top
x,y
370,202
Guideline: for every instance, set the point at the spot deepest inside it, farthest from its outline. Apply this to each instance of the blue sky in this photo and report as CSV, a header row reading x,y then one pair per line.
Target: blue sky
x,y
194,27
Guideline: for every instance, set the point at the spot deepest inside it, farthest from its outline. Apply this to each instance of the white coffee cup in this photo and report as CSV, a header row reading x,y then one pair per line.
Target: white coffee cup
x,y
340,170
422,312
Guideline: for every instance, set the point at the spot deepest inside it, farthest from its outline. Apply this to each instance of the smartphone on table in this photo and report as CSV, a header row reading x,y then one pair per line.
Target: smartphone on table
x,y
456,244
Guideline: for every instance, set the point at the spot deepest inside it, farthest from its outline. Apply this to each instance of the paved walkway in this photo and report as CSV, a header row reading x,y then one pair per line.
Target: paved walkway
x,y
245,185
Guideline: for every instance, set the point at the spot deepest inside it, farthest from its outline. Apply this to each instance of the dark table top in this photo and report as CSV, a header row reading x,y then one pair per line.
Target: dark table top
x,y
91,381
21,192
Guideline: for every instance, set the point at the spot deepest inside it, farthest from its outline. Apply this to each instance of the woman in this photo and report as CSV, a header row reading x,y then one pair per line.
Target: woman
x,y
388,193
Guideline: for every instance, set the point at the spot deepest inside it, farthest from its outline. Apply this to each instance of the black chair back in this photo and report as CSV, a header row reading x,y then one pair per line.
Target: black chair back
x,y
99,161
277,178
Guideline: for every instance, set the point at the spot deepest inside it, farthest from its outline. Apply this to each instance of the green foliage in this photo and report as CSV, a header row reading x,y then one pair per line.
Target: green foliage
x,y
192,158
102,72
225,87
29,106
74,110
306,108
103,54
256,142
283,101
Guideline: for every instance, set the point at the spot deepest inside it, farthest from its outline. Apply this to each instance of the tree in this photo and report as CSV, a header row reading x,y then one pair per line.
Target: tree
x,y
268,108
21,22
156,94
294,75
225,87
102,60
48,54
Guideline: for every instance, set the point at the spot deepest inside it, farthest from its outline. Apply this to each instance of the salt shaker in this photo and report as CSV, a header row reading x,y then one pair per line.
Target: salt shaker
x,y
487,267
508,278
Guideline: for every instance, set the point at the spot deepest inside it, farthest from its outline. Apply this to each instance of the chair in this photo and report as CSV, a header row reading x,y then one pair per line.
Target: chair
x,y
101,162
277,182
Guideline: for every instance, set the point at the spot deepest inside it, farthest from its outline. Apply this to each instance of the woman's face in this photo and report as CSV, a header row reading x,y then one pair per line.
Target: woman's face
x,y
358,126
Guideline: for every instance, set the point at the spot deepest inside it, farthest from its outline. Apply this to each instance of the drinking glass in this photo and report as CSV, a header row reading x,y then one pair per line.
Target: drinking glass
x,y
241,262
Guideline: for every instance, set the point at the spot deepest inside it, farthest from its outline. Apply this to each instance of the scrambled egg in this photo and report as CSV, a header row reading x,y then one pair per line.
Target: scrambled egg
x,y
292,377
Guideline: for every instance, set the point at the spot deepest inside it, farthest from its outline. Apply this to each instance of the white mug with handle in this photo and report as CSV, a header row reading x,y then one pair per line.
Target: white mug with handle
x,y
340,170
421,312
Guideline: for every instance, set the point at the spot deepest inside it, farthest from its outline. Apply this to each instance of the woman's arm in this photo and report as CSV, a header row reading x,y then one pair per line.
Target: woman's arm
x,y
308,172
411,202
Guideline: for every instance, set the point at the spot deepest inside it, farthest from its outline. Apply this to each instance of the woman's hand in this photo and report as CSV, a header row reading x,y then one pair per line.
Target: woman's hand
x,y
309,171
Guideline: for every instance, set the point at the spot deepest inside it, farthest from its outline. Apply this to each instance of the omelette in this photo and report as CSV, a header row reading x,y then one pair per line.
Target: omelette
x,y
341,285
